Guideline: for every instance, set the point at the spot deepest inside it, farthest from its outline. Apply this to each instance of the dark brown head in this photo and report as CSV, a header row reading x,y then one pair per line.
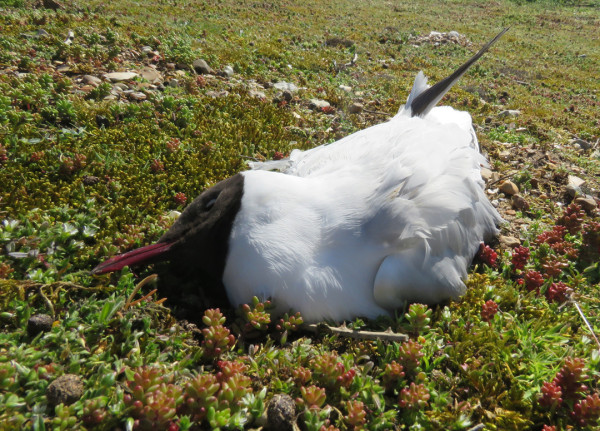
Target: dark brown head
x,y
199,238
198,241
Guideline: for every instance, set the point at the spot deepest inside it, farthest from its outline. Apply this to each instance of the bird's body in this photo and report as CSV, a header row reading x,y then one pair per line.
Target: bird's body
x,y
389,214
392,213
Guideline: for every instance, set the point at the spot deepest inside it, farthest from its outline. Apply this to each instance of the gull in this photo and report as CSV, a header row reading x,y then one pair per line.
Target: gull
x,y
389,215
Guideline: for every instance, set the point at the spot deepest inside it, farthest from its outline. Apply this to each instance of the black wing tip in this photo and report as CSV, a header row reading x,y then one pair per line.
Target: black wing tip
x,y
425,101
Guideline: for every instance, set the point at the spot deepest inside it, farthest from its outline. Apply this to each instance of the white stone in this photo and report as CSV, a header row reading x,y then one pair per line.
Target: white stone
x,y
120,76
282,85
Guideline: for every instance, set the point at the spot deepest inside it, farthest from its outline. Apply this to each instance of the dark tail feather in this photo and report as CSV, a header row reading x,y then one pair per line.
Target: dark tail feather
x,y
152,252
423,103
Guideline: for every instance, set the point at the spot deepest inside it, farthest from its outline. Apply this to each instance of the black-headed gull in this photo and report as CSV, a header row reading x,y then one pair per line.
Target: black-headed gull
x,y
390,214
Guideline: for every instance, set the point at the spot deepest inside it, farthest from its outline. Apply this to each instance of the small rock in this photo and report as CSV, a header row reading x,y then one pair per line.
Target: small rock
x,y
281,413
89,180
586,202
52,4
174,83
509,241
509,113
575,181
318,104
257,94
86,88
170,66
519,203
217,94
120,76
201,67
505,155
287,95
64,390
147,50
346,88
453,34
63,68
39,323
486,174
282,85
69,39
151,75
91,80
573,191
120,87
356,108
508,188
137,96
581,143
101,121
228,71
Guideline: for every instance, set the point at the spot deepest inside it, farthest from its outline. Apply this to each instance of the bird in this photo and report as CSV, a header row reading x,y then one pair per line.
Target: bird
x,y
390,215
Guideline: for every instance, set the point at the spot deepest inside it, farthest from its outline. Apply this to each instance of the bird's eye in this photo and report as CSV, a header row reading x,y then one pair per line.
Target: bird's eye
x,y
210,203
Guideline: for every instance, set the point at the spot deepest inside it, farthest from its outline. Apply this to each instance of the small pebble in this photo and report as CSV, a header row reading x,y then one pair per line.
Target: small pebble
x,y
64,390
508,188
587,203
281,413
509,241
39,323
355,108
519,203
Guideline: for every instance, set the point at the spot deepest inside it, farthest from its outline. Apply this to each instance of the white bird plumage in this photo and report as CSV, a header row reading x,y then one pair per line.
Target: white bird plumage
x,y
391,214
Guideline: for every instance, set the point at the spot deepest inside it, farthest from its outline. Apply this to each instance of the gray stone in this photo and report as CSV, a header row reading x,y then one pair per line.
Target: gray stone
x,y
69,39
282,85
137,96
39,323
120,76
257,94
586,202
201,67
318,104
217,94
173,82
281,413
120,86
64,390
91,80
346,88
228,71
147,50
356,108
581,143
151,75
575,181
453,34
509,113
